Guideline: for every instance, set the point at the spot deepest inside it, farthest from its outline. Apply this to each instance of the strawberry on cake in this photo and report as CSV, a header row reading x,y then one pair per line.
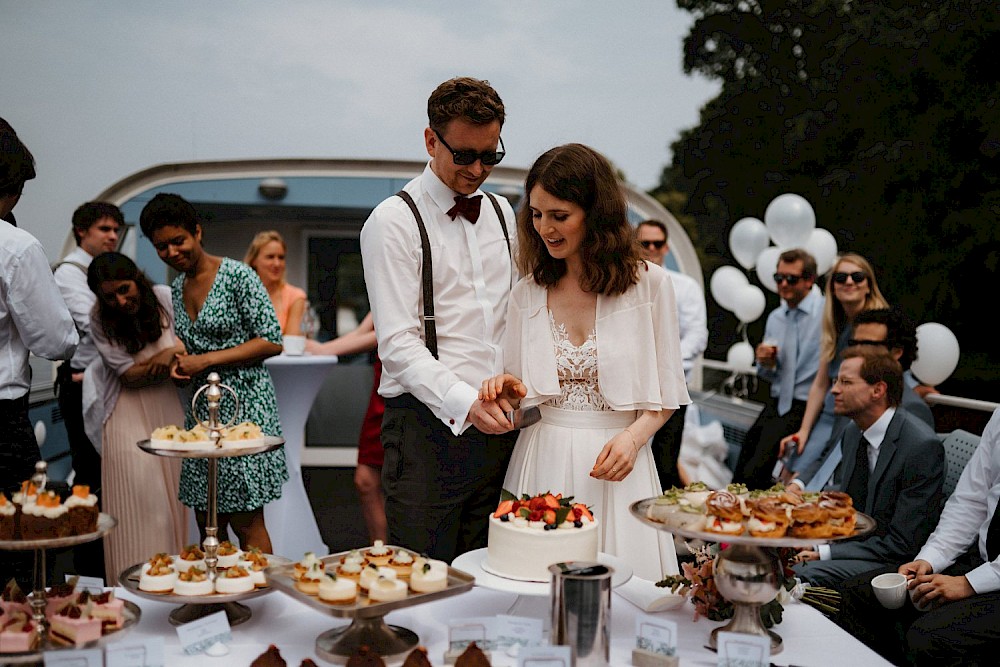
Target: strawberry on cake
x,y
528,534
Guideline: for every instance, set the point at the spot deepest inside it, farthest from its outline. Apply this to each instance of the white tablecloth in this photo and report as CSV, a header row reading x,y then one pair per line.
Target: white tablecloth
x,y
810,639
290,519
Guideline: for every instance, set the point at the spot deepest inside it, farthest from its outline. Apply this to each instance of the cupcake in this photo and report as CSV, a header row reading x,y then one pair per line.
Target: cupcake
x,y
338,590
46,518
190,556
233,580
7,522
426,577
82,510
379,554
193,581
228,554
386,589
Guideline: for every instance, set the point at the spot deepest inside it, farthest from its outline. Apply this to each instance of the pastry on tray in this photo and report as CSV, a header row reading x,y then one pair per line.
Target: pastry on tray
x,y
365,657
193,581
387,589
338,590
158,575
190,556
234,580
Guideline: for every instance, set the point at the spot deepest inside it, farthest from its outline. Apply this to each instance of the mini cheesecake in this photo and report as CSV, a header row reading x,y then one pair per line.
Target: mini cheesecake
x,y
427,577
350,570
386,589
337,590
371,573
353,556
306,564
193,581
309,582
190,556
228,555
233,580
379,554
158,575
402,563
256,564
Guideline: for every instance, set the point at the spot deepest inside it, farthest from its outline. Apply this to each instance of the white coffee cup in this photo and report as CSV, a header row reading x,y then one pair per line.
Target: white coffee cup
x,y
295,346
890,589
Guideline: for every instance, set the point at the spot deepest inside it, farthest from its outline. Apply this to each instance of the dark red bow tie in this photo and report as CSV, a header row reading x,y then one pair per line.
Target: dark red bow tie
x,y
467,207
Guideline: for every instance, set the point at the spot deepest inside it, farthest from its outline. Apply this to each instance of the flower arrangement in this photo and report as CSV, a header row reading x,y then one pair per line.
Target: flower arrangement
x,y
697,582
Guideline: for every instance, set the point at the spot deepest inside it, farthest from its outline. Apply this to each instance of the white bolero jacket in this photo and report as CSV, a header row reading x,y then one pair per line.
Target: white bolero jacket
x,y
638,344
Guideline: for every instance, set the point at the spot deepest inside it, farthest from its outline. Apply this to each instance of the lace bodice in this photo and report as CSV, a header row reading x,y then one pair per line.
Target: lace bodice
x,y
577,370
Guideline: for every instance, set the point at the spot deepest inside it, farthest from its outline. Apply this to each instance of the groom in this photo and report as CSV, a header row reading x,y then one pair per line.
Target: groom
x,y
438,266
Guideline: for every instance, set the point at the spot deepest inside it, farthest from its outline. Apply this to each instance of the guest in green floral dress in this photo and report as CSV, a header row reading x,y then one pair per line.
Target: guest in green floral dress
x,y
227,324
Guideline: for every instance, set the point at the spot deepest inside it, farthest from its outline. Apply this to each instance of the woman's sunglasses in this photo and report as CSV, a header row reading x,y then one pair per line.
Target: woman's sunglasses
x,y
857,277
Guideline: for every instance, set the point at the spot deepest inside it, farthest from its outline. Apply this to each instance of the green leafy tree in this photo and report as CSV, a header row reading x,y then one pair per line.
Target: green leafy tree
x,y
884,115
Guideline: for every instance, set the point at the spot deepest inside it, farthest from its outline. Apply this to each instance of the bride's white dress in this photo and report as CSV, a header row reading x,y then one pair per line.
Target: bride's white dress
x,y
558,453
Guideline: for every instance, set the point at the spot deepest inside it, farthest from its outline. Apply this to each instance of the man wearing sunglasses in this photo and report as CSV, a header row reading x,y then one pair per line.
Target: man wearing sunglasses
x,y
692,321
438,268
788,359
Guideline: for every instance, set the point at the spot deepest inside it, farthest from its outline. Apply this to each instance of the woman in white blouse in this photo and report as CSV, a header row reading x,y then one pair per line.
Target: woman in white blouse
x,y
592,339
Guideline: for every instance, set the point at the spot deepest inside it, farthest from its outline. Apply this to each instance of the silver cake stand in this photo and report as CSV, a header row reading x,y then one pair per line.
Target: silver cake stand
x,y
105,523
368,626
746,572
195,607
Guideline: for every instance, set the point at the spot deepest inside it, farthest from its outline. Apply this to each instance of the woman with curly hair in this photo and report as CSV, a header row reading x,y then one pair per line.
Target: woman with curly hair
x,y
592,340
132,325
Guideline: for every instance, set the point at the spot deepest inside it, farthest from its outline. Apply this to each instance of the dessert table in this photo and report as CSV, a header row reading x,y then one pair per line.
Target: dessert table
x,y
290,519
810,639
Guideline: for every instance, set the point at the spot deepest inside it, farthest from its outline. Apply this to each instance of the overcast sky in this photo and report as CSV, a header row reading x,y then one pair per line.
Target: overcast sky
x,y
99,90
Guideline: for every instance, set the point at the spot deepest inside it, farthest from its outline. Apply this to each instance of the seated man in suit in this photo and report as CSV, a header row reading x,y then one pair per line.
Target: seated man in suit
x,y
960,584
893,467
887,329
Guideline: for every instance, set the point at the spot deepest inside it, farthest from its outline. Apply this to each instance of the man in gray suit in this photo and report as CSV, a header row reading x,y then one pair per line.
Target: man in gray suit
x,y
893,467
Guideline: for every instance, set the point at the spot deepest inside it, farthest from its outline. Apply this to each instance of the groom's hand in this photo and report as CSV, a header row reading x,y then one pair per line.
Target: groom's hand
x,y
489,418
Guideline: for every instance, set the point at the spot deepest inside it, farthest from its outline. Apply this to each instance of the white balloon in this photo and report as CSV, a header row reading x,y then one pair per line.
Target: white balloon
x,y
790,220
767,264
746,239
725,284
740,356
937,353
750,304
822,246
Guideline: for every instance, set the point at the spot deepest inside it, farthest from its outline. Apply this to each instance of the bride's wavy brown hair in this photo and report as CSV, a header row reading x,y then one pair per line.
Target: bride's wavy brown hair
x,y
579,174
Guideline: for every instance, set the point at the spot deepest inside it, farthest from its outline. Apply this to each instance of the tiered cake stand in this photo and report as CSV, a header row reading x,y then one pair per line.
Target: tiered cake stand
x,y
195,607
105,523
746,572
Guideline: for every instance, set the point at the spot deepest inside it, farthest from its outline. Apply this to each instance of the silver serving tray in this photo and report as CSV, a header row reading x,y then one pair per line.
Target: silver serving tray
x,y
865,525
270,443
131,613
280,577
105,522
129,579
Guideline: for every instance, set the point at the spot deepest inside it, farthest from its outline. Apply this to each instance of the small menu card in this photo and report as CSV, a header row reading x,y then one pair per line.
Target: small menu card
x,y
197,636
740,650
545,656
136,653
656,635
86,657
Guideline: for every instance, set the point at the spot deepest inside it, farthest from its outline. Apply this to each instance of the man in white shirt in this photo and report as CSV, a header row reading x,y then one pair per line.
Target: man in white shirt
x,y
33,319
956,575
893,468
446,451
692,320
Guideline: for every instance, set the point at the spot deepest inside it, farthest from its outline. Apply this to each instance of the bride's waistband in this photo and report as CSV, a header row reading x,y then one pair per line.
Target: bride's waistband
x,y
586,418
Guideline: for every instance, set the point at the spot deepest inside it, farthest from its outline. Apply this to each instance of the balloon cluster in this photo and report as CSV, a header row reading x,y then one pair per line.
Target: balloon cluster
x,y
790,222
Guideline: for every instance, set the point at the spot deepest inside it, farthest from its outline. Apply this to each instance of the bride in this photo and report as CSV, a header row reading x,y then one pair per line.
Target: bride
x,y
592,339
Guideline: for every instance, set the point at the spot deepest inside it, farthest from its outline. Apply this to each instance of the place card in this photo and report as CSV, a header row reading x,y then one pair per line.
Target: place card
x,y
197,636
545,656
93,585
85,657
740,650
508,631
468,630
136,653
656,635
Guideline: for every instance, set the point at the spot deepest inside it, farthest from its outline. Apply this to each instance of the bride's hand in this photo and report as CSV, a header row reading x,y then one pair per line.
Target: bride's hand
x,y
617,458
506,389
